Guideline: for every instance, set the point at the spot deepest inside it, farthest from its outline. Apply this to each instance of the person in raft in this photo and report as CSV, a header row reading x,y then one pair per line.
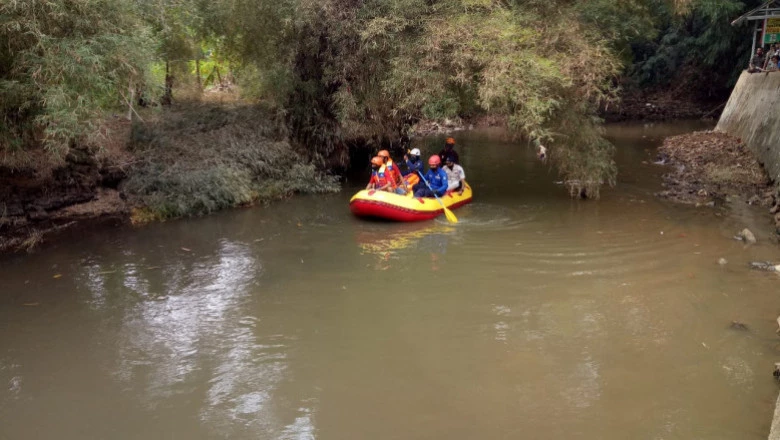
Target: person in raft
x,y
455,175
436,178
381,178
413,162
393,170
449,150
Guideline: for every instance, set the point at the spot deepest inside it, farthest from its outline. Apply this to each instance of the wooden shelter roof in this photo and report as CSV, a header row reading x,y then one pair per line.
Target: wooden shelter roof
x,y
770,9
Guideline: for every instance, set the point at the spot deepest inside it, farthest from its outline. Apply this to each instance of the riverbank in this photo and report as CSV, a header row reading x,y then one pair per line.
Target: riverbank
x,y
659,105
189,160
429,127
708,168
42,195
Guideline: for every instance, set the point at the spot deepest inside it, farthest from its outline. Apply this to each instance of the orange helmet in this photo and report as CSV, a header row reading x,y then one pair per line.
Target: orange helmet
x,y
378,161
450,141
434,160
383,153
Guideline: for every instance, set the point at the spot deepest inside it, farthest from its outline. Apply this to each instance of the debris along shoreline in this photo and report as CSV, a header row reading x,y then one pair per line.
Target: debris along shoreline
x,y
708,168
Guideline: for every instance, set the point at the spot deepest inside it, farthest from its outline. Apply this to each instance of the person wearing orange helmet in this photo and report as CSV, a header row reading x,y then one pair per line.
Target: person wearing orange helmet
x,y
449,150
380,179
435,177
392,169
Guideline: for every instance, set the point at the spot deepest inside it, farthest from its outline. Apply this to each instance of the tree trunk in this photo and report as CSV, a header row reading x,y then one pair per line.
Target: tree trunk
x,y
167,97
197,73
131,98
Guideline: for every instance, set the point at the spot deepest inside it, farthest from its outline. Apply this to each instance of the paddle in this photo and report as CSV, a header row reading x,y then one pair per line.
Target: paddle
x,y
447,213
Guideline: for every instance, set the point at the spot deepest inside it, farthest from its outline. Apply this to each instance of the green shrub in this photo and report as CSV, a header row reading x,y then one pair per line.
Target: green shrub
x,y
208,158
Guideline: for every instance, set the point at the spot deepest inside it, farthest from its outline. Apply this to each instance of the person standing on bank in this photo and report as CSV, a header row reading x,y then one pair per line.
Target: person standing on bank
x,y
772,65
757,61
435,177
455,175
449,150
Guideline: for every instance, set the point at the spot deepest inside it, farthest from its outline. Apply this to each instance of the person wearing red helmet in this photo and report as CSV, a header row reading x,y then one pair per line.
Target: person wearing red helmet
x,y
380,179
449,150
435,177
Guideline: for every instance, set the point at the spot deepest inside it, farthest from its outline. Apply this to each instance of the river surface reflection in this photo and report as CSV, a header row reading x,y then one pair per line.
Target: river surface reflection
x,y
536,316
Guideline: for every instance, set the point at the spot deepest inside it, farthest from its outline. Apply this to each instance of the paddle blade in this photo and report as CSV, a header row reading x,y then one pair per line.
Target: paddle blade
x,y
450,216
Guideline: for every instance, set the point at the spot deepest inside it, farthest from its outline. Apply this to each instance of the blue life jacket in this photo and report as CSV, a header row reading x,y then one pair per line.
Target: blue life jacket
x,y
414,167
437,180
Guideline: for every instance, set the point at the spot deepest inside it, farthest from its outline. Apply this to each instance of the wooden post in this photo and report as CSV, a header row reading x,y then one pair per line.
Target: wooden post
x,y
753,48
167,97
197,72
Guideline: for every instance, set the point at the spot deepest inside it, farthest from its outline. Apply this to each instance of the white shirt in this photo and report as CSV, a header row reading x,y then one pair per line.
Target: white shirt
x,y
454,176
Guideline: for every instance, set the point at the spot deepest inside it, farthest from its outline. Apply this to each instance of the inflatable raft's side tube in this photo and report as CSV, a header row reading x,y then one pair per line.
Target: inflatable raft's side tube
x,y
390,206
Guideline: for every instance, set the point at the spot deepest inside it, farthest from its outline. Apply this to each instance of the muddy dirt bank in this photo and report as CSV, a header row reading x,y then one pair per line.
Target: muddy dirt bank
x,y
428,127
34,205
642,105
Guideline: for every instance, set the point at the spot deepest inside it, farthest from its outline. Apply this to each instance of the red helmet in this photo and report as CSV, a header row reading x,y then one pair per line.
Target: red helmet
x,y
450,141
434,160
384,153
378,161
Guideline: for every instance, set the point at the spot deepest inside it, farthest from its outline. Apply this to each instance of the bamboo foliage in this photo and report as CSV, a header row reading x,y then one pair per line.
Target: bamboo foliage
x,y
62,62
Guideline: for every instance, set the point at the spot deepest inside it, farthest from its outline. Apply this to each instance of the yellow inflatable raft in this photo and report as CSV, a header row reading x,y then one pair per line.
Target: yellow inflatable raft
x,y
391,206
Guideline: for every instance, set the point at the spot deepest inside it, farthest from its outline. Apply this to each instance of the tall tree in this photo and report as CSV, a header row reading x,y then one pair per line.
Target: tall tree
x,y
370,67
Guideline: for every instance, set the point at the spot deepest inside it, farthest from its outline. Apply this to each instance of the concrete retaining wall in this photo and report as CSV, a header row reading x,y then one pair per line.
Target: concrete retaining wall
x,y
753,115
774,433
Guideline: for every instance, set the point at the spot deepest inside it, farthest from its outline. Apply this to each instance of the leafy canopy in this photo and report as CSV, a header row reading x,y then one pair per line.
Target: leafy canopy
x,y
359,71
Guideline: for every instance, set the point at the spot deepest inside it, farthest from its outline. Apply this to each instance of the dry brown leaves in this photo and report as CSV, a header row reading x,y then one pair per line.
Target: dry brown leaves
x,y
709,166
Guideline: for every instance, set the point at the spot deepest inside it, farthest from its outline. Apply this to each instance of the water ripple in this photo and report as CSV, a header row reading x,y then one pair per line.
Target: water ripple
x,y
488,217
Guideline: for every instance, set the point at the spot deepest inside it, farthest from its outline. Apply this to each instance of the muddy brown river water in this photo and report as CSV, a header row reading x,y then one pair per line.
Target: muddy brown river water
x,y
535,317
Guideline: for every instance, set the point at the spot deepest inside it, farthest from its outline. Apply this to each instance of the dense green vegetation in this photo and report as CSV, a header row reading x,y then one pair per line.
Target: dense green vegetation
x,y
61,64
695,45
341,71
231,160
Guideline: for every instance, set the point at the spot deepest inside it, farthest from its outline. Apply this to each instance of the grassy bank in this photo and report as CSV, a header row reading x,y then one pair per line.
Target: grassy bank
x,y
188,160
203,158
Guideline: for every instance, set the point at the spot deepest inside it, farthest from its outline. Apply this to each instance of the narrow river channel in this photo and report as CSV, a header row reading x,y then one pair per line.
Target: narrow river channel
x,y
536,316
